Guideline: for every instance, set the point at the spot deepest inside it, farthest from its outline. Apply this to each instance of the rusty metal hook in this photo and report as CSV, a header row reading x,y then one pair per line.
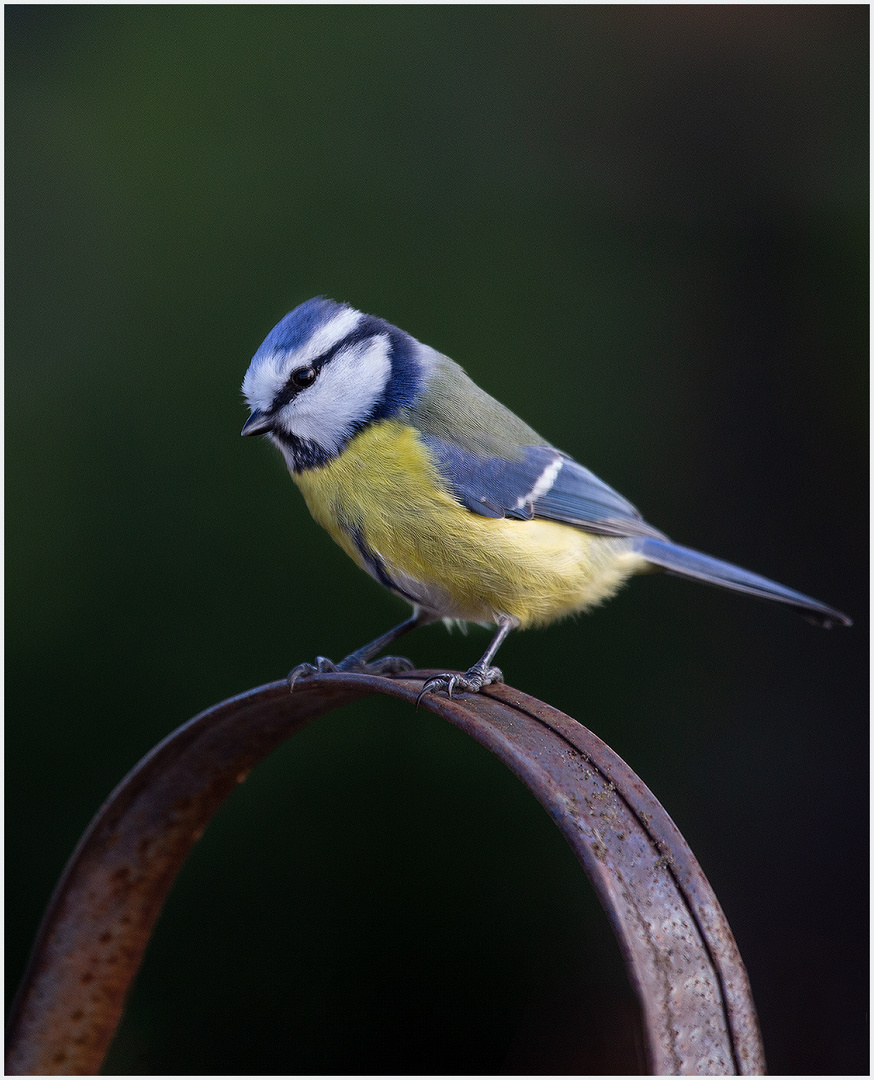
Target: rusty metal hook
x,y
679,952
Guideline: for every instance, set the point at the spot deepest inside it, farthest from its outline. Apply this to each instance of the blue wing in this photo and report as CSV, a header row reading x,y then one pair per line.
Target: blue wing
x,y
542,483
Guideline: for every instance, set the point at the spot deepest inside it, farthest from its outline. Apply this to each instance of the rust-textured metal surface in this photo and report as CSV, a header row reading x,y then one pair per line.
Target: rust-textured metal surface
x,y
679,951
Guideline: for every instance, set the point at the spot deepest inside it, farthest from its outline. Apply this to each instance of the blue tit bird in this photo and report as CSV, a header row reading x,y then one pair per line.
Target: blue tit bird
x,y
446,497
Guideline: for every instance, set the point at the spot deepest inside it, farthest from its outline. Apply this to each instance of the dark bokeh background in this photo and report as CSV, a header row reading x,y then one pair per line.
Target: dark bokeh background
x,y
646,230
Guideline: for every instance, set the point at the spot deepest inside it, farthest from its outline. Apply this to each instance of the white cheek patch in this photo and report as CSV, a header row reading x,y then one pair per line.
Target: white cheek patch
x,y
345,392
267,378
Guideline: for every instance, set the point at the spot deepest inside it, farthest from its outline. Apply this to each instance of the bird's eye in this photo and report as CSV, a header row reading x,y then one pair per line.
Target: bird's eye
x,y
304,378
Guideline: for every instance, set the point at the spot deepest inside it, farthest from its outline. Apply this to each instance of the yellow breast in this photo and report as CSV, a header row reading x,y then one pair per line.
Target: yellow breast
x,y
384,494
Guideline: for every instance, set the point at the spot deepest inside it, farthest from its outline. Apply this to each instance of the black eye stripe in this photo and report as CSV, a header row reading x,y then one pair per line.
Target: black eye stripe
x,y
292,388
296,383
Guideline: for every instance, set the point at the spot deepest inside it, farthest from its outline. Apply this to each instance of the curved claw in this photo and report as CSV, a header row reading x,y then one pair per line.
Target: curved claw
x,y
321,665
387,665
472,681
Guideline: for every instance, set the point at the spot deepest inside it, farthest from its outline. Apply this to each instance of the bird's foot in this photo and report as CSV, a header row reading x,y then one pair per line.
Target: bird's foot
x,y
479,676
386,665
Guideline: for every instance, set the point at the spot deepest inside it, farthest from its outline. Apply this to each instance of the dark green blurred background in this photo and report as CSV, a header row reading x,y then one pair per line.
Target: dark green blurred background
x,y
646,230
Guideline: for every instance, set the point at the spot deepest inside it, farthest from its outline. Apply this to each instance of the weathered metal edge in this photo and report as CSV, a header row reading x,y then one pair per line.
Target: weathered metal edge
x,y
663,911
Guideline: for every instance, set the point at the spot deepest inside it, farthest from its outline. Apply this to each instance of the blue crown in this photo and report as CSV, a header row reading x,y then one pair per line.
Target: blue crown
x,y
298,326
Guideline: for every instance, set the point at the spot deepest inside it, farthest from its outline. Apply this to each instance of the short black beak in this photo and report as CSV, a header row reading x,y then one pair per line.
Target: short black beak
x,y
257,424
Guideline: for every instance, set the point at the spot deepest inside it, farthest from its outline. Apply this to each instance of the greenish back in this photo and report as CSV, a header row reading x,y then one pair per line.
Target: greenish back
x,y
453,408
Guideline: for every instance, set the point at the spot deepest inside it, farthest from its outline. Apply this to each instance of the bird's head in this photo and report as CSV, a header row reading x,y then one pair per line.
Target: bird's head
x,y
323,373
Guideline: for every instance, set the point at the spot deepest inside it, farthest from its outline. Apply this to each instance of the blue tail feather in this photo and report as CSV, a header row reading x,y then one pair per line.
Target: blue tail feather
x,y
692,564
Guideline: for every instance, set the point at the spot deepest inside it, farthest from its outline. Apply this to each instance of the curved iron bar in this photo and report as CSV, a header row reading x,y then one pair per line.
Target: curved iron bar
x,y
680,955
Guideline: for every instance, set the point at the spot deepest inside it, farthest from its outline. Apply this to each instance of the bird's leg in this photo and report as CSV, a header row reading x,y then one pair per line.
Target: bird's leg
x,y
360,660
481,674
